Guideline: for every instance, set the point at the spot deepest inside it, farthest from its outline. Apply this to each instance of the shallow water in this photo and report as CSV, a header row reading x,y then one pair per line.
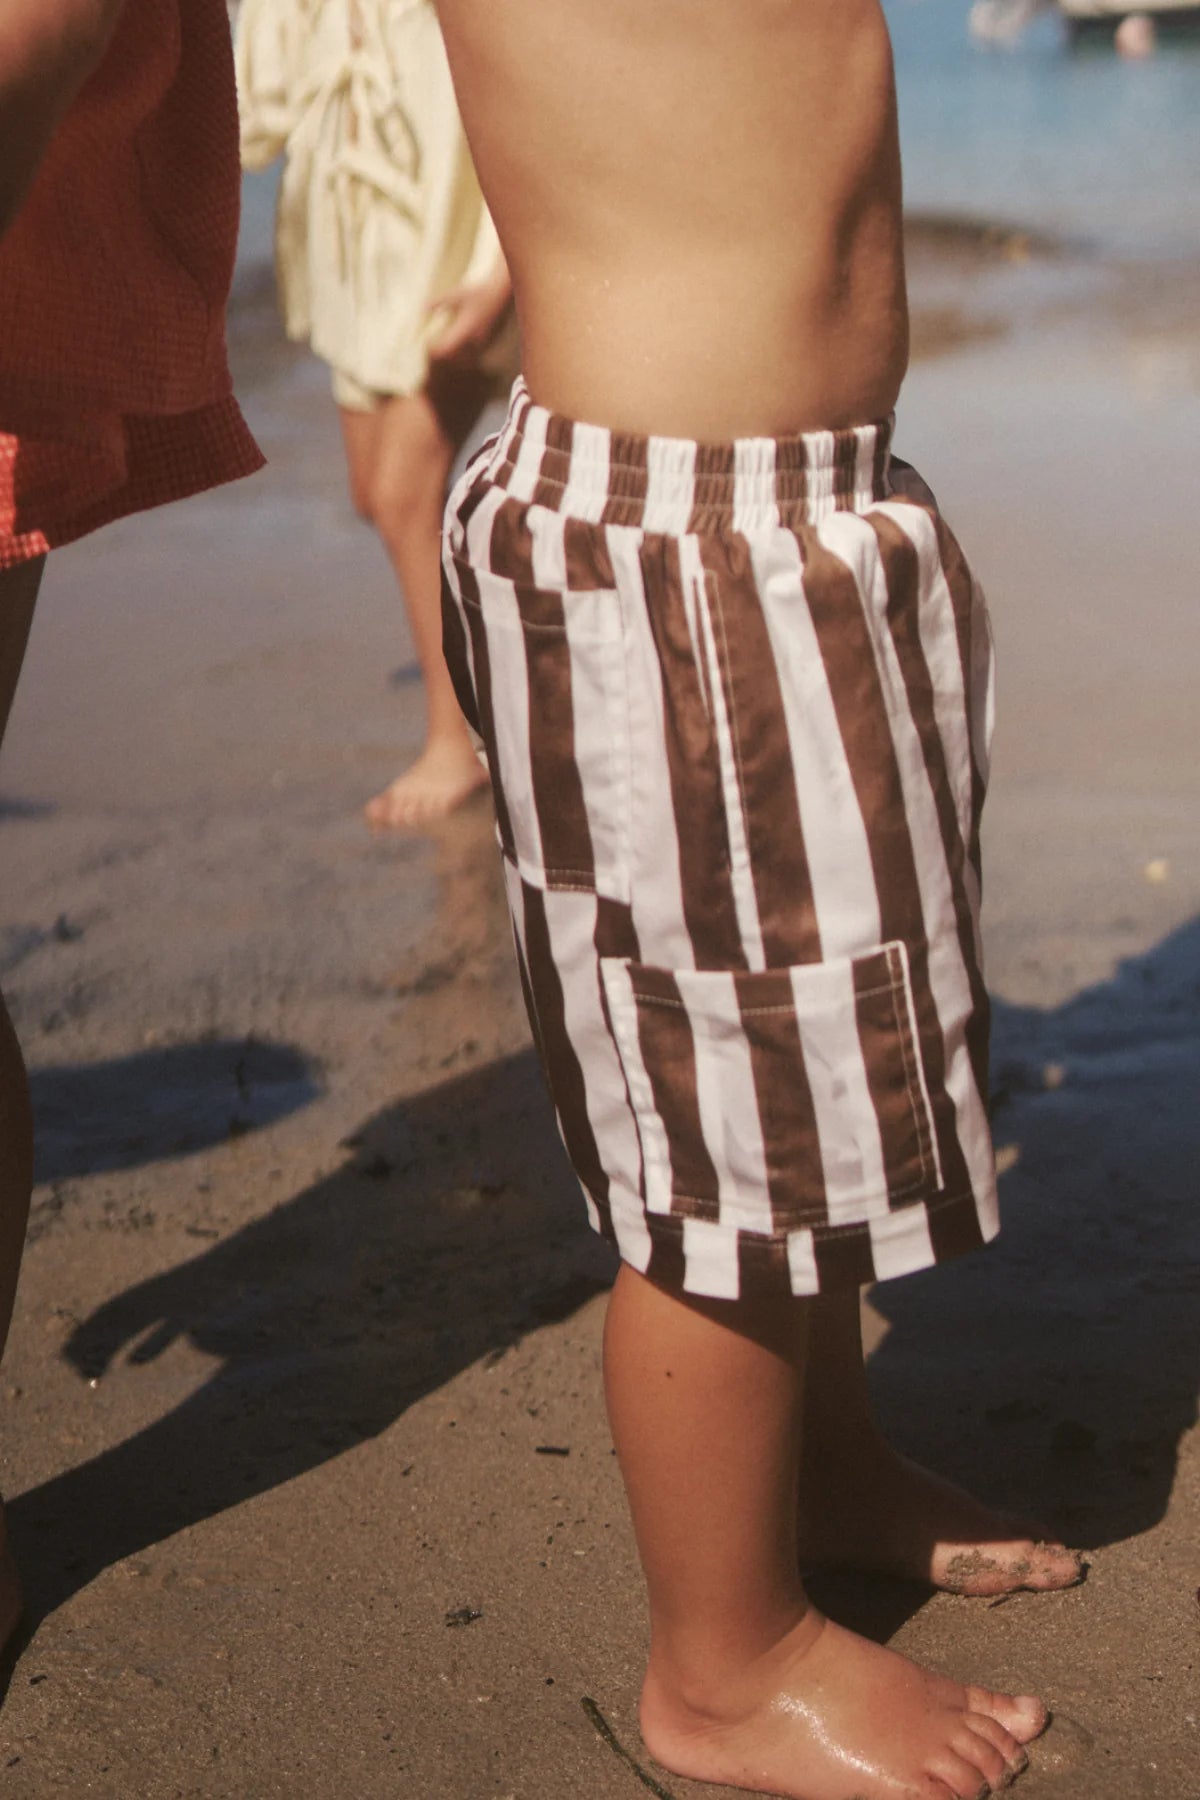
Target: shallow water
x,y
1069,139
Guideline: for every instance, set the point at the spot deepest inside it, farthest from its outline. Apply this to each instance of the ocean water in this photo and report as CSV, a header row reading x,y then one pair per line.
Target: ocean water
x,y
1072,140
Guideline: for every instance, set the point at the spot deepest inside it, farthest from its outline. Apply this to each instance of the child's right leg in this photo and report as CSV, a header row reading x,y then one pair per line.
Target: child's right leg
x,y
863,1505
747,1685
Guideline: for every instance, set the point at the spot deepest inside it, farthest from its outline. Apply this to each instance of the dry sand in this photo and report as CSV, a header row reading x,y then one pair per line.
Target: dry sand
x,y
302,1425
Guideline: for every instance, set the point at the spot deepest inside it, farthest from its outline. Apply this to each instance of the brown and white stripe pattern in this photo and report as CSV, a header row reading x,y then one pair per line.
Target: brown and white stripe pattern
x,y
736,705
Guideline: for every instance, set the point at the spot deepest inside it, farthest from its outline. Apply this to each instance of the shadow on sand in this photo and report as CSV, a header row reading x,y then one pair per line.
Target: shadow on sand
x,y
169,1101
13,807
330,1314
1058,1370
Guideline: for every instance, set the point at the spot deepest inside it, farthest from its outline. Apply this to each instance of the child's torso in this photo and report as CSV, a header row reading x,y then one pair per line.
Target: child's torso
x,y
700,200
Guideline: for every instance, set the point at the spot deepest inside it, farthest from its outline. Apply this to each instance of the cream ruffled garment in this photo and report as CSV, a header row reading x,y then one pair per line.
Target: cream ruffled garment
x,y
379,208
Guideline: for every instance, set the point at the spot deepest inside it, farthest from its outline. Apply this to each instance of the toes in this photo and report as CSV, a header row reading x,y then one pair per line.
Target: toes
x,y
1015,1759
381,810
1041,1561
961,1775
1054,1566
1021,1714
975,1746
389,812
394,810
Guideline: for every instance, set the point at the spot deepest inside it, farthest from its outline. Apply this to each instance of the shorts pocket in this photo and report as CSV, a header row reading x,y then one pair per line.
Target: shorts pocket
x,y
777,1099
549,682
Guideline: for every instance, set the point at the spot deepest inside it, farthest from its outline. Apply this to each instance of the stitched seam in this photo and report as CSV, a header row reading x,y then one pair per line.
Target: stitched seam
x,y
622,748
907,1192
711,590
477,606
614,1031
907,1051
597,637
820,1227
520,587
556,878
938,1204
749,1012
755,1012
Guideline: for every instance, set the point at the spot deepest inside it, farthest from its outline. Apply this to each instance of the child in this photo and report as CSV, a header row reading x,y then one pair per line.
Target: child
x,y
733,681
118,222
389,265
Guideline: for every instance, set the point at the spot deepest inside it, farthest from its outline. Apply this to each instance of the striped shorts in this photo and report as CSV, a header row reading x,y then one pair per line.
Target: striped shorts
x,y
736,705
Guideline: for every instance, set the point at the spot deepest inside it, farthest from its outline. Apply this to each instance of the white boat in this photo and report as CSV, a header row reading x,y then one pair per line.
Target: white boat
x,y
1003,21
1111,12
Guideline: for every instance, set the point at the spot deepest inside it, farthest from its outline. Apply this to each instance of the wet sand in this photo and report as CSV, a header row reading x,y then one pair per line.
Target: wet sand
x,y
302,1425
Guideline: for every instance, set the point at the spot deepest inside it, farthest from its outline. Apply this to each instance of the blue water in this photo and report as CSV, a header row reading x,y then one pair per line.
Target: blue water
x,y
1074,141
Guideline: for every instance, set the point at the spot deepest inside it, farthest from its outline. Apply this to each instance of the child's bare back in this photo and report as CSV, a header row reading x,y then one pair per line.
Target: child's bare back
x,y
701,204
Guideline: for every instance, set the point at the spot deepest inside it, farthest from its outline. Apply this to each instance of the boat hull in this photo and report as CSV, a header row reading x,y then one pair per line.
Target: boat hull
x,y
1084,13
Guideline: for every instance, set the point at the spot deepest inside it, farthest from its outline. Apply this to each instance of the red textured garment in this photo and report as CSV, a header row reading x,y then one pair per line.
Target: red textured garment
x,y
115,392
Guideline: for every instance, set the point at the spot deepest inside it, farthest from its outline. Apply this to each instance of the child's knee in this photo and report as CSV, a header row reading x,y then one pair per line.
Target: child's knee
x,y
404,502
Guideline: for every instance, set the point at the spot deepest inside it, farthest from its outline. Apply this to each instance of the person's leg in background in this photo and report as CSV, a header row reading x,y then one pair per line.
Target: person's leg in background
x,y
18,594
400,456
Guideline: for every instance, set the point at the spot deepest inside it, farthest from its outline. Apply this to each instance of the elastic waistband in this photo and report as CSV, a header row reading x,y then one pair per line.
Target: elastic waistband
x,y
674,485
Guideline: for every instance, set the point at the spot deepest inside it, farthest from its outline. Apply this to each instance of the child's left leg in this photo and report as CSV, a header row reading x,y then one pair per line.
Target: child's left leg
x,y
863,1505
400,460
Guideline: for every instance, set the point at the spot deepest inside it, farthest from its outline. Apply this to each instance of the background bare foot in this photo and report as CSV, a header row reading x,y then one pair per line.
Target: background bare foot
x,y
442,777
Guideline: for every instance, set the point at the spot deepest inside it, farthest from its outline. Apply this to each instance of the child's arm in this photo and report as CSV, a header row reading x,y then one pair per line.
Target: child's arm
x,y
48,48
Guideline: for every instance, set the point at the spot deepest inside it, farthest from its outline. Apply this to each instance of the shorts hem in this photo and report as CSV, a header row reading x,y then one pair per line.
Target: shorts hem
x,y
721,1261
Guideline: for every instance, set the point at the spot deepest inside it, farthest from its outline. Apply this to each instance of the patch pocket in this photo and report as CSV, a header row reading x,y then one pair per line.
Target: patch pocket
x,y
777,1099
549,678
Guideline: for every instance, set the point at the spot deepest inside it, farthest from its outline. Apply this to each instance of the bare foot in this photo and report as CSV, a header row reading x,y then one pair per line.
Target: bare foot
x,y
442,777
827,1715
873,1509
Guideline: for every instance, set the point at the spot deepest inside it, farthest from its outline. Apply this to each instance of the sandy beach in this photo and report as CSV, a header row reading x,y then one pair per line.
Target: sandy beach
x,y
302,1429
